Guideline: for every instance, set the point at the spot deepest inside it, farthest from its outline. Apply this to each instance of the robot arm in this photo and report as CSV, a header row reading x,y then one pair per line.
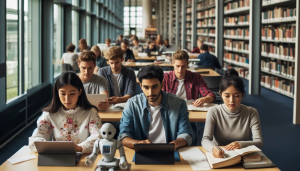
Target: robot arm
x,y
123,162
91,158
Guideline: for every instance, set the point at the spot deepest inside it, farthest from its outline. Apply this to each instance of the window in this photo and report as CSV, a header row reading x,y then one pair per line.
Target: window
x,y
133,18
88,30
12,49
75,32
57,39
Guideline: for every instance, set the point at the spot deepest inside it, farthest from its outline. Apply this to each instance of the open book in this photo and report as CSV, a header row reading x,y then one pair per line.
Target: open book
x,y
120,105
231,157
205,107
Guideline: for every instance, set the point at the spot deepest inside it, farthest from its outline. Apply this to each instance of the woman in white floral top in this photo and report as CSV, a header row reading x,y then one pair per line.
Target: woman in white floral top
x,y
69,117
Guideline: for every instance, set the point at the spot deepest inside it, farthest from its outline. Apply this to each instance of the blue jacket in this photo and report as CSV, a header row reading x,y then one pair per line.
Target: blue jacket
x,y
127,82
207,59
101,62
136,118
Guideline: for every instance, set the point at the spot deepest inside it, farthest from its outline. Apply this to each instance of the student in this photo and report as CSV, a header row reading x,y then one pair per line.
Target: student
x,y
131,40
197,49
155,116
93,84
151,47
167,43
136,45
121,80
101,61
69,117
231,124
108,46
119,40
207,59
162,47
70,57
158,40
83,46
127,53
186,84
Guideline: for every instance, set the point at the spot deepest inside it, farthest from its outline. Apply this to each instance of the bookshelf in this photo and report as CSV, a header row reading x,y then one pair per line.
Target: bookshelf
x,y
150,32
173,40
236,36
180,24
188,25
278,46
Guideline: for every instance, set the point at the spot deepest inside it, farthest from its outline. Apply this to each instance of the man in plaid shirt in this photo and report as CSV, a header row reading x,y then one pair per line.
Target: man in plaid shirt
x,y
186,84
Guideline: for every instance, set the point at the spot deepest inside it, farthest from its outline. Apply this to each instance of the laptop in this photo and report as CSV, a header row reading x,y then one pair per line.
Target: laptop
x,y
57,153
154,154
135,52
154,53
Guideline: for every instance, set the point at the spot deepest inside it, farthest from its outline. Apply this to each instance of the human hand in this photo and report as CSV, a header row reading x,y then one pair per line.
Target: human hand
x,y
199,102
113,100
232,146
218,152
103,105
78,148
144,142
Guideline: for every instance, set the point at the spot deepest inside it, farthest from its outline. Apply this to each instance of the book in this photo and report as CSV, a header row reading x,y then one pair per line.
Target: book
x,y
265,162
120,105
253,157
231,157
205,107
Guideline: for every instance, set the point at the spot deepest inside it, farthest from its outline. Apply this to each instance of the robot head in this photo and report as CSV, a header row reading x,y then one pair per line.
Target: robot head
x,y
108,131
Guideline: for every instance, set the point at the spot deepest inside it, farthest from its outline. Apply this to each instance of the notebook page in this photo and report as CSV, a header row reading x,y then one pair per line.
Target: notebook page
x,y
205,107
195,157
228,155
251,148
120,105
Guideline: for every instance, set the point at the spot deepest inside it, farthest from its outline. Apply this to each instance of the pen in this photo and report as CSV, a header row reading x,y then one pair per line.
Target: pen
x,y
220,151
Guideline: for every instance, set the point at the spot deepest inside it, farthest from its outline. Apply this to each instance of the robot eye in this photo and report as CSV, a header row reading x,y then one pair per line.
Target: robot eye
x,y
103,133
109,133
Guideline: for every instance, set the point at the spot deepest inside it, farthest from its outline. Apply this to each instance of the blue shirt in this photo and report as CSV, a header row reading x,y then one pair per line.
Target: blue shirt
x,y
136,118
207,59
101,62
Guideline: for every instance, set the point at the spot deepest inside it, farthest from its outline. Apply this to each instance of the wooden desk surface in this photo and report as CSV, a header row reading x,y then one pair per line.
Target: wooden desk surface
x,y
141,64
115,116
31,165
152,58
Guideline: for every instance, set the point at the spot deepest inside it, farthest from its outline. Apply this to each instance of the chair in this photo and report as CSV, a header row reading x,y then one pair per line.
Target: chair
x,y
66,67
207,67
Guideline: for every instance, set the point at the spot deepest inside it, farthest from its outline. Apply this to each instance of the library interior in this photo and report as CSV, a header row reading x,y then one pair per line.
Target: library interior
x,y
172,84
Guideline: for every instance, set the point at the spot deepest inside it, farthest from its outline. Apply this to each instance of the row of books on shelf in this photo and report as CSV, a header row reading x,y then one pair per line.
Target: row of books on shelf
x,y
278,51
281,33
188,45
266,2
243,72
188,25
279,14
238,33
188,37
237,5
283,68
207,13
237,59
189,10
211,22
188,31
202,31
189,2
282,86
242,19
240,46
209,40
203,4
188,17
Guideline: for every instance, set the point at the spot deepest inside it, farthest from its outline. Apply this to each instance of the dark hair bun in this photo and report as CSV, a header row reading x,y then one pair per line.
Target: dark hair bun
x,y
231,72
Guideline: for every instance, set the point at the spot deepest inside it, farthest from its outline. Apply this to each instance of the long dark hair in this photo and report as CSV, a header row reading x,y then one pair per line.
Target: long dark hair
x,y
72,79
231,77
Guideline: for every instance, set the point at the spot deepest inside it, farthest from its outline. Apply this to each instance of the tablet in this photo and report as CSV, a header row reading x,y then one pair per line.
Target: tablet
x,y
95,99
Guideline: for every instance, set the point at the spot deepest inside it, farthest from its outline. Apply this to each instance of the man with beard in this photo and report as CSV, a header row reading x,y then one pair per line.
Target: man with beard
x,y
155,116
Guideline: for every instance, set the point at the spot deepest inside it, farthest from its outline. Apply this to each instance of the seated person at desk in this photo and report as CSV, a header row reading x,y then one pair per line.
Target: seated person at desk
x,y
69,117
127,53
231,124
137,46
121,80
162,47
108,46
186,84
82,46
207,59
92,83
197,49
70,57
119,40
151,47
101,61
155,116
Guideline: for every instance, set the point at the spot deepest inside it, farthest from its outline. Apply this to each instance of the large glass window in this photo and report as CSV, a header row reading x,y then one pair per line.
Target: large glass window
x,y
57,40
75,33
133,18
12,49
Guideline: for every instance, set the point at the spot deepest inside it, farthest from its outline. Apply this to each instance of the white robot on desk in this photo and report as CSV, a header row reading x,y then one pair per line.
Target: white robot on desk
x,y
107,147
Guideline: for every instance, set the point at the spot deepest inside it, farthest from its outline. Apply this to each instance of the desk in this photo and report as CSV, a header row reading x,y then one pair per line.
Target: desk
x,y
152,58
115,116
31,165
141,64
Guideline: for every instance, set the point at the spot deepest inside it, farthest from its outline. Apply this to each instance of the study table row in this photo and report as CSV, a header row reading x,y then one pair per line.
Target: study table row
x,y
183,165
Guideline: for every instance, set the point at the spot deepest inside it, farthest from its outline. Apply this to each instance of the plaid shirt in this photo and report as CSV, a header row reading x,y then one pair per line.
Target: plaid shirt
x,y
193,83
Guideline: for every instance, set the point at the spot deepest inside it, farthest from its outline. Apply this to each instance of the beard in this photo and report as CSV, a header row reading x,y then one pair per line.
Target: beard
x,y
153,98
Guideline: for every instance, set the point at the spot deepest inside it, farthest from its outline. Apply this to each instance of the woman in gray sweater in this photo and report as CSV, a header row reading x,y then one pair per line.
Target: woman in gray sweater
x,y
231,124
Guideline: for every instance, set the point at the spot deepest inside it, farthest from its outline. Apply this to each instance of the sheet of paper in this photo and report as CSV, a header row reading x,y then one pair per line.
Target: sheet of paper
x,y
205,107
120,105
195,158
21,159
252,148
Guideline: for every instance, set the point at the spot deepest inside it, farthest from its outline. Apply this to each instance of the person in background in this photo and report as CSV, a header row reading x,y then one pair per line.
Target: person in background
x,y
167,43
83,46
69,117
127,53
231,124
93,84
137,46
155,116
158,40
131,40
197,49
151,47
121,80
162,47
70,57
101,61
119,40
207,59
107,42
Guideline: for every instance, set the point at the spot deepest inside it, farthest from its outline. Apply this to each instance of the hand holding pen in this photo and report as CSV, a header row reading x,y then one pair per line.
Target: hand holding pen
x,y
218,152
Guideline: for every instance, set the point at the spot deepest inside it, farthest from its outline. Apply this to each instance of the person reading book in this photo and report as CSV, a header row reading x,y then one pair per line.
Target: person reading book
x,y
232,123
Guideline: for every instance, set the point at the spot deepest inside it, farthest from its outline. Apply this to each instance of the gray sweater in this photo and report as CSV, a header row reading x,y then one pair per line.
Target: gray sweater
x,y
223,127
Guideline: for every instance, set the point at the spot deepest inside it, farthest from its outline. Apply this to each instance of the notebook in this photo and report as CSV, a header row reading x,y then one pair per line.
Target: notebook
x,y
205,107
120,105
231,157
95,99
264,162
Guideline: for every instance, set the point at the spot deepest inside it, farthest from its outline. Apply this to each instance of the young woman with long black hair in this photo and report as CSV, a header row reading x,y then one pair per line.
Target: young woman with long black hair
x,y
69,117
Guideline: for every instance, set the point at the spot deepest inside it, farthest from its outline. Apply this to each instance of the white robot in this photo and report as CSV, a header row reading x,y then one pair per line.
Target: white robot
x,y
107,147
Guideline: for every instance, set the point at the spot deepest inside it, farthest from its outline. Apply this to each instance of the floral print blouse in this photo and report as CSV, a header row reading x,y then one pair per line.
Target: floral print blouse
x,y
77,125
